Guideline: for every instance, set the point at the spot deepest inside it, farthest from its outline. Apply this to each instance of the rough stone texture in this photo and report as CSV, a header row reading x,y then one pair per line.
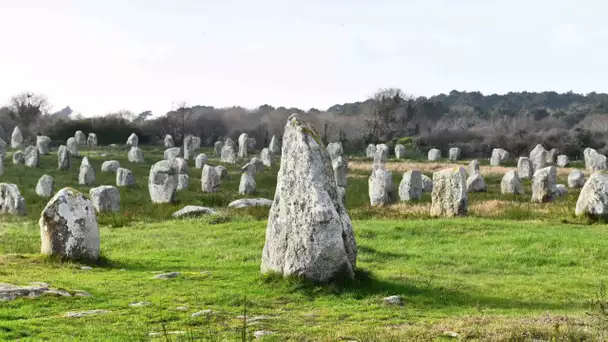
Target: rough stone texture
x,y
11,201
551,155
133,140
309,232
511,184
250,202
105,198
274,146
68,226
251,143
381,188
173,152
473,168
162,182
92,140
169,141
221,171
370,151
543,185
124,177
79,314
562,160
32,157
410,188
64,158
72,146
381,155
80,138
228,154
454,154
86,175
42,144
434,154
525,168
181,165
183,182
110,166
560,190
210,180
335,149
266,157
16,138
135,155
45,186
247,185
538,157
593,199
200,160
1,166
449,197
399,151
2,149
217,148
193,211
257,162
18,157
191,146
499,156
427,183
243,145
587,155
576,179
475,183
594,161
393,300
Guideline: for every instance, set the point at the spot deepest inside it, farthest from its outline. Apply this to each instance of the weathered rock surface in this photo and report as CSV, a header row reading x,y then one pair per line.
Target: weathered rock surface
x,y
248,184
162,182
381,188
191,147
560,190
72,146
86,175
551,155
228,152
124,177
183,181
45,186
593,199
110,166
181,165
511,184
18,157
274,146
257,162
173,152
538,157
473,168
193,211
80,138
562,160
133,140
525,168
243,145
168,142
449,197
136,155
410,188
427,183
32,157
476,183
250,202
221,171
92,140
64,158
576,179
16,139
217,149
594,161
42,144
543,185
335,149
210,180
370,151
11,201
434,154
266,157
105,198
200,160
499,156
454,154
399,151
381,155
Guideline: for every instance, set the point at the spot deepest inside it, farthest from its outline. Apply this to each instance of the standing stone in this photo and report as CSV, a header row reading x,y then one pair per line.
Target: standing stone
x,y
427,183
475,183
181,166
87,173
594,161
64,158
593,199
257,162
243,145
449,197
200,160
309,232
19,157
410,188
228,153
2,149
266,157
562,160
210,180
551,155
92,140
68,227
16,138
335,149
221,171
434,154
42,144
80,138
162,182
251,143
381,155
511,184
190,146
525,168
105,199
340,166
183,181
217,149
543,185
133,140
454,154
124,177
538,157
499,156
247,185
381,188
576,179
173,152
587,155
73,147
169,141
32,157
474,168
11,201
135,155
370,151
274,146
399,151
45,186
110,166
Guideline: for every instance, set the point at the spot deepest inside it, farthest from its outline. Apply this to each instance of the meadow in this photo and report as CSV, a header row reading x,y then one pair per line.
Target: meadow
x,y
511,270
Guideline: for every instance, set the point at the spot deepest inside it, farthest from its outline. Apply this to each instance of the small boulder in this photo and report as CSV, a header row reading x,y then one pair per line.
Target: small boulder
x,y
454,154
562,160
560,190
399,151
449,197
124,177
511,184
11,201
18,157
80,138
499,156
410,188
200,160
210,180
133,140
32,157
135,155
221,171
72,146
105,198
193,211
92,140
45,186
593,199
393,300
87,173
475,183
576,179
434,155
42,144
110,166
543,185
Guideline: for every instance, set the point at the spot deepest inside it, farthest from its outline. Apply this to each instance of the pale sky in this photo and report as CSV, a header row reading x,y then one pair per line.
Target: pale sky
x,y
100,56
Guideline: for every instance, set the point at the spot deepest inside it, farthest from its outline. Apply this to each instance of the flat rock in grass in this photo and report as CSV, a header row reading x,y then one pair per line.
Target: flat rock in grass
x,y
162,182
139,304
450,196
11,201
511,184
11,292
576,179
18,157
177,332
202,313
110,166
261,333
64,158
169,275
42,144
543,185
124,177
79,314
499,156
370,151
193,211
173,152
45,186
80,293
250,202
525,168
562,160
105,199
217,148
135,155
86,268
434,154
32,157
200,160
221,171
393,300
593,199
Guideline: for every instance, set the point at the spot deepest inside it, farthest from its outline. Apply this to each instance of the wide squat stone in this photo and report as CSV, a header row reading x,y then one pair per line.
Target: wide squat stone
x,y
381,188
68,227
593,199
525,168
162,182
511,184
476,183
309,232
135,155
449,197
576,179
45,186
105,198
499,156
410,188
124,177
543,185
110,166
210,179
434,155
11,201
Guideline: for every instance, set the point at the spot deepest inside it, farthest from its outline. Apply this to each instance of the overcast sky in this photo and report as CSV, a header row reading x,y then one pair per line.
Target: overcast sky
x,y
104,56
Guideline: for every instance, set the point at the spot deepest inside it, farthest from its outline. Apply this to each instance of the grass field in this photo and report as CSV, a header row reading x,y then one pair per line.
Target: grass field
x,y
512,270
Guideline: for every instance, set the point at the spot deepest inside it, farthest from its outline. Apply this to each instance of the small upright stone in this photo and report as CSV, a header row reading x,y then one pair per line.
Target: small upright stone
x,y
247,185
162,182
105,198
449,197
64,158
80,138
191,146
410,188
562,160
525,168
18,157
243,145
266,157
427,183
183,179
173,152
228,153
169,141
45,186
370,151
73,147
511,184
221,171
543,185
200,161
381,155
210,180
133,140
16,139
68,227
499,156
475,183
473,168
110,166
593,199
399,151
217,149
92,140
32,157
551,155
42,144
135,155
124,177
257,162
381,188
335,149
251,144
594,161
274,146
538,157
11,201
87,173
454,153
434,154
576,179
